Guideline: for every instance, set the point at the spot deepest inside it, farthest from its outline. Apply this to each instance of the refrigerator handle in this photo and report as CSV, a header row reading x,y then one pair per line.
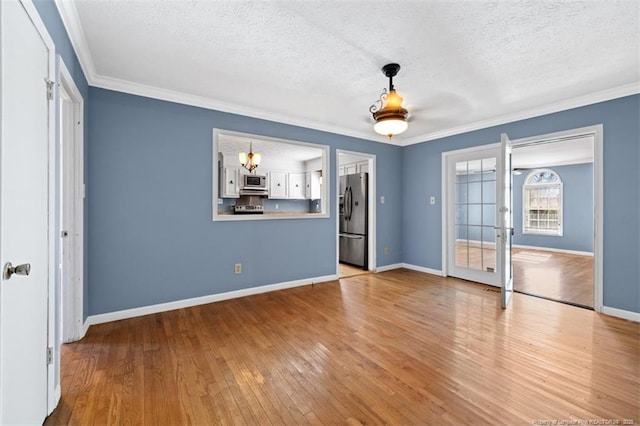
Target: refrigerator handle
x,y
346,203
350,201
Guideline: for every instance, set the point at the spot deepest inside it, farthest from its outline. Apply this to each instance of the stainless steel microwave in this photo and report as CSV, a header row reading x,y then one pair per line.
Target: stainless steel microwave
x,y
254,182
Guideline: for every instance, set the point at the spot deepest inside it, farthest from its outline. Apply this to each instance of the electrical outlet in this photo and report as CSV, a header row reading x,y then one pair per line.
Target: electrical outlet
x,y
386,250
432,200
277,206
220,201
238,268
382,200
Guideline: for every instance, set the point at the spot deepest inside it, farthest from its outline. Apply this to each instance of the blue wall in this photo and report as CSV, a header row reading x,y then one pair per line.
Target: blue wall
x,y
577,225
152,238
421,178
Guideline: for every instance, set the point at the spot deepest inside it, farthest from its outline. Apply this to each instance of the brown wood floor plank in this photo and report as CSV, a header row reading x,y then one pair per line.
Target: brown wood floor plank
x,y
558,276
399,347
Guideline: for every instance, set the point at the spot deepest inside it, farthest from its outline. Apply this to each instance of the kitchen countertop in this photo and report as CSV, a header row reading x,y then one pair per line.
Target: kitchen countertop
x,y
278,213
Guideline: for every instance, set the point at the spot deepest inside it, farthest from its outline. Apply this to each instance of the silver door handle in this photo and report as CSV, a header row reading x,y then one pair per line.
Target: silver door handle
x,y
9,270
353,237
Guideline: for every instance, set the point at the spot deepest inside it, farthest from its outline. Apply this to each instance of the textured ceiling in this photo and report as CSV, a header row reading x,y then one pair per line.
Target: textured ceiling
x,y
465,64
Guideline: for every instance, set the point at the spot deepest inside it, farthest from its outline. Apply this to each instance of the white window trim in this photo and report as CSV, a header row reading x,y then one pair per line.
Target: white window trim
x,y
532,231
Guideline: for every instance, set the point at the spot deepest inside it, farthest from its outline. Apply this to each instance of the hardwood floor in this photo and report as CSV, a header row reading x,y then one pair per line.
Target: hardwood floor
x,y
399,347
553,275
345,270
557,276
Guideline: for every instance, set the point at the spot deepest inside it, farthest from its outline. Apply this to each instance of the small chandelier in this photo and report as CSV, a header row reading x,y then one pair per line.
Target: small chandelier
x,y
251,160
390,116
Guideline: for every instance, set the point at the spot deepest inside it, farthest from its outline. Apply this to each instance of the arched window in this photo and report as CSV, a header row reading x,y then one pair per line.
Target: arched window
x,y
542,203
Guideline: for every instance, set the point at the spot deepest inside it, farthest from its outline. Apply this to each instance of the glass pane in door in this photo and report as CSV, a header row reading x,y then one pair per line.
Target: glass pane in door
x,y
475,204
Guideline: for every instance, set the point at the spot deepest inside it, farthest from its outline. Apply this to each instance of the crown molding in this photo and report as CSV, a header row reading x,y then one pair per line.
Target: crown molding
x,y
592,98
133,88
71,21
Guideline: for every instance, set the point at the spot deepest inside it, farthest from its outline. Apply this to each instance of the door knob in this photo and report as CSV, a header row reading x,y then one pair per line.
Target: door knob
x,y
9,270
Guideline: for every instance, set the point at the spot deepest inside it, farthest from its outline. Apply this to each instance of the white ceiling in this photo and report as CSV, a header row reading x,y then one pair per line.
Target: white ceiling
x,y
465,64
573,151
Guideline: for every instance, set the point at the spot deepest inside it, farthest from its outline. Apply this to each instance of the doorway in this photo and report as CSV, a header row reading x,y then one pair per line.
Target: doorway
x,y
468,249
553,253
355,239
71,206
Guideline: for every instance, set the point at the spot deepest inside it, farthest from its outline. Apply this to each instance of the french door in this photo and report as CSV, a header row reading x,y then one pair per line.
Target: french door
x,y
478,215
504,226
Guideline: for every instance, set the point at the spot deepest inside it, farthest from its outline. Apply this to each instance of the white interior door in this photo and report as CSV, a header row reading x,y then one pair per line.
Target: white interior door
x,y
24,222
471,211
70,107
65,107
504,228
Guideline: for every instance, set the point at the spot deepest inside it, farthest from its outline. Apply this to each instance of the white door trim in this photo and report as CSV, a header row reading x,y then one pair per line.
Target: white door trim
x,y
597,132
52,395
71,296
448,193
371,226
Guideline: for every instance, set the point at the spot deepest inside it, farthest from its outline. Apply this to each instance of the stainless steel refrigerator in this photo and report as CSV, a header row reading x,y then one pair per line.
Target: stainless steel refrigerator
x,y
354,218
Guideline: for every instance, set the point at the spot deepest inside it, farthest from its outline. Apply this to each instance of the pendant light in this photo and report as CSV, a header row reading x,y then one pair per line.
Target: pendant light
x,y
251,160
390,116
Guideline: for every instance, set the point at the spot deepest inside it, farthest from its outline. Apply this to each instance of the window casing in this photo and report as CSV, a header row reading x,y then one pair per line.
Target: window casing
x,y
542,203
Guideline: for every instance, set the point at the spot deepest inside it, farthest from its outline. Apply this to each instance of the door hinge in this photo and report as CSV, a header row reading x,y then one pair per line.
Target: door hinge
x,y
49,355
49,89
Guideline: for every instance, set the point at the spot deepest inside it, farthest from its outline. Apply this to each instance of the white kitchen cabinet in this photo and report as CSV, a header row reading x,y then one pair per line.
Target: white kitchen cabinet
x,y
297,184
352,168
313,185
307,185
278,185
229,187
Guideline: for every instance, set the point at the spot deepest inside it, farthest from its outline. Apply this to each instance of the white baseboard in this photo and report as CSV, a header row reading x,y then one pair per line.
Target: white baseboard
x,y
422,269
620,313
580,253
85,327
186,303
409,266
388,267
